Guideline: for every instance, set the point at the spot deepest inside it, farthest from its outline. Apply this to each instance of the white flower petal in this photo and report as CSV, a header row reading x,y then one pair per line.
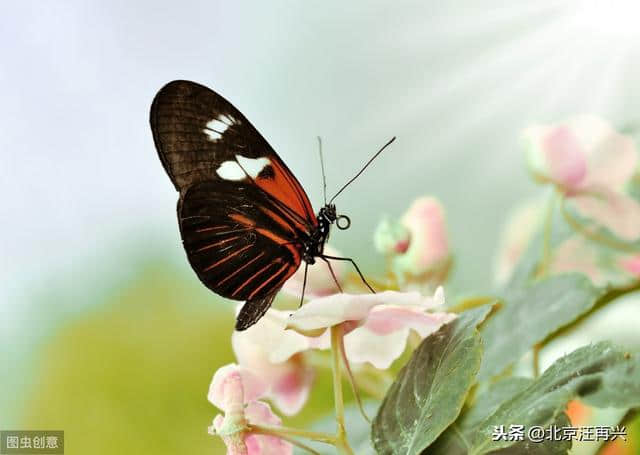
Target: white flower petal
x,y
328,311
362,345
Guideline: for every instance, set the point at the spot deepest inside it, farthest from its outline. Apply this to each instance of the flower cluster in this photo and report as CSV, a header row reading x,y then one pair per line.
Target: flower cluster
x,y
274,355
590,225
591,167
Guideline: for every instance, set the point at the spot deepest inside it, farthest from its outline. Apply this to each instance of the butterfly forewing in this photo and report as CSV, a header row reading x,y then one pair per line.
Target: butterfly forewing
x,y
200,137
243,216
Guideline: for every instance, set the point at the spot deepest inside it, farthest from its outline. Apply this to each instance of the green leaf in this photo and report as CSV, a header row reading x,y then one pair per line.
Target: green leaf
x,y
430,390
531,313
620,385
546,447
601,375
488,401
454,440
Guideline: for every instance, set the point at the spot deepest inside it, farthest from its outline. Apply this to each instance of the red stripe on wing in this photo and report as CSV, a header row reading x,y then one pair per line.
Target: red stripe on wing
x,y
212,245
226,258
240,269
266,282
251,278
285,188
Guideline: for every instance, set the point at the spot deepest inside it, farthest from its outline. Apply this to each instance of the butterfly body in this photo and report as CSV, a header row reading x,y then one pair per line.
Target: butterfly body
x,y
246,222
314,246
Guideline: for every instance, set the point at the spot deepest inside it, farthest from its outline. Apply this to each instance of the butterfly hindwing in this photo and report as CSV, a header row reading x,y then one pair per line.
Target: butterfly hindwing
x,y
254,310
201,137
238,242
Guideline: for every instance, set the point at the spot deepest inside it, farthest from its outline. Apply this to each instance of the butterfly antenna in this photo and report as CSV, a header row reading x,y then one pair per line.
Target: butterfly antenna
x,y
363,168
324,177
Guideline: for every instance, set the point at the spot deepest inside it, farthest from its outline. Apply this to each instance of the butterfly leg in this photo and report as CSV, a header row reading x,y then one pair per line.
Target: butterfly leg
x,y
304,283
354,265
324,258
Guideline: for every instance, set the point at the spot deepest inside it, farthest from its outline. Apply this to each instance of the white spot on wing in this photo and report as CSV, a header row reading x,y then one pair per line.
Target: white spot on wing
x,y
217,125
253,166
230,170
213,135
227,120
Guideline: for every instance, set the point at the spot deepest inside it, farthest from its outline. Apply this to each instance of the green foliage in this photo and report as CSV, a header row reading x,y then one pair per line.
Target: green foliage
x,y
429,392
453,442
591,373
530,313
601,375
421,412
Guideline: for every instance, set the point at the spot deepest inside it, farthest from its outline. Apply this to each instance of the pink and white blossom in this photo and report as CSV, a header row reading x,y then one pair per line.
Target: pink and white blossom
x,y
235,390
376,326
418,242
277,355
590,163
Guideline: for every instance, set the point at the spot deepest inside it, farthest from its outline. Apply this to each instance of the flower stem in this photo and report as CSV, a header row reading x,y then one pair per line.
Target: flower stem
x,y
302,446
536,359
546,245
291,440
340,439
336,340
372,386
288,433
352,381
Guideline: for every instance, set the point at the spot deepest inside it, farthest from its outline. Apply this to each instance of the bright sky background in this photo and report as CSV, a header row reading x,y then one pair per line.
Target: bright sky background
x,y
455,81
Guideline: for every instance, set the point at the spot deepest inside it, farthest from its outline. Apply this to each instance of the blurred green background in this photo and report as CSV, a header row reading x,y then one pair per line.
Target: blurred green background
x,y
105,331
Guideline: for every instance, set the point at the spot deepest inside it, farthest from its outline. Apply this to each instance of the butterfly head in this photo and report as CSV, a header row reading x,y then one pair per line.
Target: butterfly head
x,y
328,213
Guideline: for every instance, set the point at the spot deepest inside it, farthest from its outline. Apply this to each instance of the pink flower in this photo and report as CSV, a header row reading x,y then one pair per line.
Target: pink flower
x,y
319,279
377,326
277,356
590,163
418,243
235,391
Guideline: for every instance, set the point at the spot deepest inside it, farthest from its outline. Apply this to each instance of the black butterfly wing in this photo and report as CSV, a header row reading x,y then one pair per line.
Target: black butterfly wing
x,y
239,243
253,310
201,137
243,215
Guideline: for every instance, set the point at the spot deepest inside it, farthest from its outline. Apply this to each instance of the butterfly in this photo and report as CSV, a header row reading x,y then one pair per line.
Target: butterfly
x,y
246,222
